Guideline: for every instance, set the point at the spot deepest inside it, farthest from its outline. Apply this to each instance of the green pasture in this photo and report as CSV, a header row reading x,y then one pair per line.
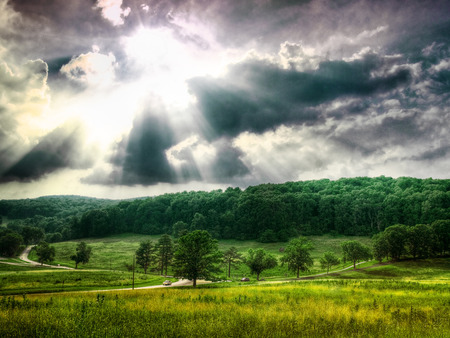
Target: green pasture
x,y
41,280
113,253
327,308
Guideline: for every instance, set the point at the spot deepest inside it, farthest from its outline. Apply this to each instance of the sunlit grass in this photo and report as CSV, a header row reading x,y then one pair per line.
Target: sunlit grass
x,y
333,308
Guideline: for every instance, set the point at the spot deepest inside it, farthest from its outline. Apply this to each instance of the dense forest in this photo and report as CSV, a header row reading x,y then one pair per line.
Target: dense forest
x,y
267,212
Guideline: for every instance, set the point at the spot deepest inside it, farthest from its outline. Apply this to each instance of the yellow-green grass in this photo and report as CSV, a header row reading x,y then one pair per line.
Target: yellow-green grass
x,y
436,269
56,280
116,251
331,308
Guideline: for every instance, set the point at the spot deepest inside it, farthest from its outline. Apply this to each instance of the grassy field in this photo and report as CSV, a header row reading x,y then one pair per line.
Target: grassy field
x,y
327,308
116,251
38,280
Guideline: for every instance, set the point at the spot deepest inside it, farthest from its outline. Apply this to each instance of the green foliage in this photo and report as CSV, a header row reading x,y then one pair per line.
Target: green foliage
x,y
146,255
232,258
32,235
197,256
259,260
298,255
45,252
10,242
354,252
441,230
328,260
165,250
82,255
269,212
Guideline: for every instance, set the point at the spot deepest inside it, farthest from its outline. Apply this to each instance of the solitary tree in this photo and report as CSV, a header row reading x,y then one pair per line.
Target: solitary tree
x,y
355,252
145,255
328,260
45,252
165,252
231,258
259,260
297,255
197,256
83,254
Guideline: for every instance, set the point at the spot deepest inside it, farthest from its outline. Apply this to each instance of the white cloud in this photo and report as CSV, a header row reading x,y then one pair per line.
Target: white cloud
x,y
113,12
92,68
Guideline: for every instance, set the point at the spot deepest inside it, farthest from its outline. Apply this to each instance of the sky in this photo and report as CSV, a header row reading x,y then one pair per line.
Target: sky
x,y
124,98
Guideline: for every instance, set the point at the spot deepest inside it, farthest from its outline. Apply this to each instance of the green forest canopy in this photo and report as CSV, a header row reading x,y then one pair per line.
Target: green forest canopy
x,y
267,212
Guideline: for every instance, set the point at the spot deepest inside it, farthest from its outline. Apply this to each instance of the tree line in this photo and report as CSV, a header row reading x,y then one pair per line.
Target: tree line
x,y
276,212
267,213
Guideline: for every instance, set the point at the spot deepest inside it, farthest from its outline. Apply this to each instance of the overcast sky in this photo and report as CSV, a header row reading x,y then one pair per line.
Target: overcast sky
x,y
125,98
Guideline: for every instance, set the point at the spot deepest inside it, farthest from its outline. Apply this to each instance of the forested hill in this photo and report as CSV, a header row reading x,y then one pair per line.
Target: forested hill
x,y
270,212
51,206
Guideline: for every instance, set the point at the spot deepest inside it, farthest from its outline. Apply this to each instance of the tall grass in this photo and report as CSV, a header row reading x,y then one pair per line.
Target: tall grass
x,y
333,308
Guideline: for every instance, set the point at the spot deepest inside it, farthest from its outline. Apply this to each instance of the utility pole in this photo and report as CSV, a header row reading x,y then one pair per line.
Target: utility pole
x,y
134,262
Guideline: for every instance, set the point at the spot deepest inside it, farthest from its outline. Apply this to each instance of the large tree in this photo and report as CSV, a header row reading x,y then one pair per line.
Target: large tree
x,y
10,242
45,252
197,256
259,260
82,255
355,252
297,255
145,255
165,252
231,258
328,260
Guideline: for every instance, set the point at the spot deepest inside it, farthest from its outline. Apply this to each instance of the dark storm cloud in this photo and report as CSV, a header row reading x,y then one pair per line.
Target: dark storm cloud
x,y
228,163
258,96
142,157
57,150
433,154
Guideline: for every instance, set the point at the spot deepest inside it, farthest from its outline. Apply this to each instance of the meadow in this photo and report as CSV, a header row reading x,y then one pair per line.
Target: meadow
x,y
326,308
38,280
115,252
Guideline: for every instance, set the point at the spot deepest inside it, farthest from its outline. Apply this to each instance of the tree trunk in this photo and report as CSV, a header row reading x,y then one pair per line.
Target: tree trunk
x,y
165,270
257,277
229,269
194,282
354,265
298,273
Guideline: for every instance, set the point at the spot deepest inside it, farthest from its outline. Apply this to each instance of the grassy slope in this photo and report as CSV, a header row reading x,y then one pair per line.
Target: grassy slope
x,y
116,251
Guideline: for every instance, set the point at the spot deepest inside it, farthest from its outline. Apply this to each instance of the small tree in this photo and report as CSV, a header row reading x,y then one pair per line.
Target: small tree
x,y
328,260
83,254
197,256
165,252
231,258
45,252
298,255
355,252
145,255
259,260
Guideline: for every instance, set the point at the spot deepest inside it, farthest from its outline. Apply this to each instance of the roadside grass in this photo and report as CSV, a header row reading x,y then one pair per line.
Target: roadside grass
x,y
326,308
38,280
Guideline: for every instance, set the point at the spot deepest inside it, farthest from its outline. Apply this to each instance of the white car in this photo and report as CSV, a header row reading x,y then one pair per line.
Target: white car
x,y
167,282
